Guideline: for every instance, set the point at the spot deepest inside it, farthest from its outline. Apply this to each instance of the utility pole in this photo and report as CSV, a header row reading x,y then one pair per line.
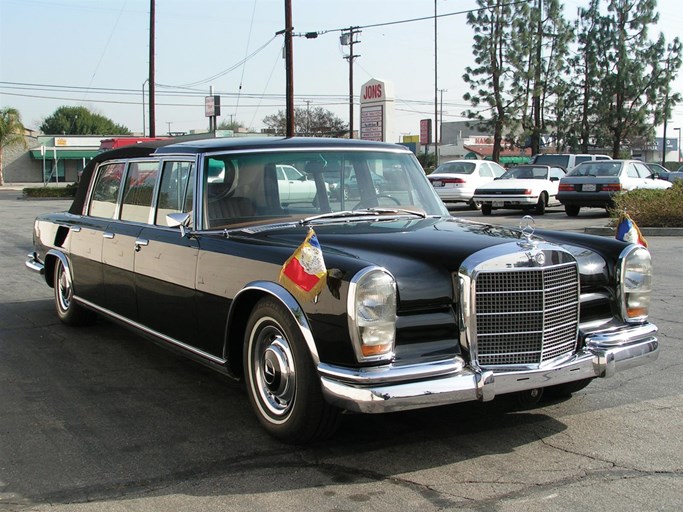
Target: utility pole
x,y
536,130
289,65
436,92
152,124
348,39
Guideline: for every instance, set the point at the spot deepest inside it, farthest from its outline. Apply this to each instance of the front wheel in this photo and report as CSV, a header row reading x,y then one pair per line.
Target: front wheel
x,y
281,380
68,311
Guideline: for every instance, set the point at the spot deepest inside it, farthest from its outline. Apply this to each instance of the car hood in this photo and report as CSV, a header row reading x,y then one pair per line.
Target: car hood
x,y
422,255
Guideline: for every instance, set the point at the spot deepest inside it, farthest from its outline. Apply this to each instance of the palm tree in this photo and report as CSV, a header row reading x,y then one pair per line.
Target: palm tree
x,y
11,133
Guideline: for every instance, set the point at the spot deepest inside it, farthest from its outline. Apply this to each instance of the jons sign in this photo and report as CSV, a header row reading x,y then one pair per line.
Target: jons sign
x,y
373,92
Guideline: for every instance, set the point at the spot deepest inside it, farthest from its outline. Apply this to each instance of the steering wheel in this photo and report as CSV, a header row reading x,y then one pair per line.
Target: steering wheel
x,y
379,196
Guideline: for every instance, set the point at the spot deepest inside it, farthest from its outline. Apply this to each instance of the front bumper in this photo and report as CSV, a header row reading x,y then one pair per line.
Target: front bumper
x,y
502,201
391,389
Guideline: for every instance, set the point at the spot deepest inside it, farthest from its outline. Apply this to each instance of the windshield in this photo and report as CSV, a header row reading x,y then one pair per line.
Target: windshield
x,y
256,187
561,160
456,168
598,168
528,172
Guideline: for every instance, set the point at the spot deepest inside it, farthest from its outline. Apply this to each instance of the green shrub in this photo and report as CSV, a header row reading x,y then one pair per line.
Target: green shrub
x,y
652,208
66,192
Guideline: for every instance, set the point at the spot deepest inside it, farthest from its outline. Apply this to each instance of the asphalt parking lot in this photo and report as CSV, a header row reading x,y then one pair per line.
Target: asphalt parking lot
x,y
99,419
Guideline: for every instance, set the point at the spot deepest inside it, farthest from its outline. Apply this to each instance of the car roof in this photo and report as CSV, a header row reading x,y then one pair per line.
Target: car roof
x,y
209,145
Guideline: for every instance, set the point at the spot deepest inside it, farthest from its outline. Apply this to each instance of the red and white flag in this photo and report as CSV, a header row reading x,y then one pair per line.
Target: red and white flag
x,y
304,273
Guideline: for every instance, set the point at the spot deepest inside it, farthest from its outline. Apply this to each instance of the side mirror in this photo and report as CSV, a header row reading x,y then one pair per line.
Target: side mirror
x,y
181,220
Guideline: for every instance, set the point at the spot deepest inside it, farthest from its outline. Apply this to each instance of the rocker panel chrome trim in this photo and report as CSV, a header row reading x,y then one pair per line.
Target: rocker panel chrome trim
x,y
151,332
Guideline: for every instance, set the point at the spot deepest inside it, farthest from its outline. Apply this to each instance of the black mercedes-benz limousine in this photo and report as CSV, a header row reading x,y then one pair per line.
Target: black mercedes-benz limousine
x,y
239,253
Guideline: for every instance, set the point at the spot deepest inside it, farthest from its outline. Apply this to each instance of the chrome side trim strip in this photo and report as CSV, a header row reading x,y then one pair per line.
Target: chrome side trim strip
x,y
152,332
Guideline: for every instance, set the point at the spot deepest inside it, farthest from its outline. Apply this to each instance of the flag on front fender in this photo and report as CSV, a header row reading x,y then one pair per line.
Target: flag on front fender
x,y
627,231
304,272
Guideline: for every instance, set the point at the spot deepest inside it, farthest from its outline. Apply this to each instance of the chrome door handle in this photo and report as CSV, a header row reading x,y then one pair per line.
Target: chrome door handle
x,y
107,235
140,242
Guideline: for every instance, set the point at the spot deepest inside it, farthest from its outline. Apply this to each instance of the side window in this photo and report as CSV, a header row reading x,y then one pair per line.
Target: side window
x,y
137,195
291,173
176,190
498,170
556,172
106,191
643,171
579,159
631,171
485,171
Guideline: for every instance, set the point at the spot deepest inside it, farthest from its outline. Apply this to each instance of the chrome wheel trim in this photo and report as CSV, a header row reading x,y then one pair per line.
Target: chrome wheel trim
x,y
64,289
272,369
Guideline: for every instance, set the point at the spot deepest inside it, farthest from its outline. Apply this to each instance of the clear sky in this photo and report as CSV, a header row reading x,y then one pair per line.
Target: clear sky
x,y
95,53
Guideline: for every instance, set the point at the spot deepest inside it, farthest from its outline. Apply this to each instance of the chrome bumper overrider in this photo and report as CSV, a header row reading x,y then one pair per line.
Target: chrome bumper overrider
x,y
34,263
394,389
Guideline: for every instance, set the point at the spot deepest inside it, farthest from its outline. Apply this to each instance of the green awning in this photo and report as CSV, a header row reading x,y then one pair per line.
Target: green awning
x,y
65,154
511,159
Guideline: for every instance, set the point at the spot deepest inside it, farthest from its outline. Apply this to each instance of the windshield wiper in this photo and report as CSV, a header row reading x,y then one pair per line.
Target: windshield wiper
x,y
366,212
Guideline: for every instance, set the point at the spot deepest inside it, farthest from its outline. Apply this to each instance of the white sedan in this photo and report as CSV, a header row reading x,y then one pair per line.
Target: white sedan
x,y
524,186
456,181
294,186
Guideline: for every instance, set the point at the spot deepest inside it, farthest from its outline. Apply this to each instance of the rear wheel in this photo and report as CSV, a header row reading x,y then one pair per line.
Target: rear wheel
x,y
572,210
68,311
486,209
281,380
541,204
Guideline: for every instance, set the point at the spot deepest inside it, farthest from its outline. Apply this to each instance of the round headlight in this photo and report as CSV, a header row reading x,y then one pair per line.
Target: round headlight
x,y
636,284
372,314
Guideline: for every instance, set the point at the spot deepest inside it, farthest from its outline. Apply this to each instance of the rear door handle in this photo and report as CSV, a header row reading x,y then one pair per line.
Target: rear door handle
x,y
107,235
140,242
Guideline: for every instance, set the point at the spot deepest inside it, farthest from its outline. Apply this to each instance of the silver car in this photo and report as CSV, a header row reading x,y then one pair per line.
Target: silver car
x,y
593,184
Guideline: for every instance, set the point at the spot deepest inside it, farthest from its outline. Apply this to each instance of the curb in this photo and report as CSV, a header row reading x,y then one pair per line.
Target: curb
x,y
610,231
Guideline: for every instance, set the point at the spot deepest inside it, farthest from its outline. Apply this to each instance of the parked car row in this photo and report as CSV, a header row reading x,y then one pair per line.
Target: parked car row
x,y
592,183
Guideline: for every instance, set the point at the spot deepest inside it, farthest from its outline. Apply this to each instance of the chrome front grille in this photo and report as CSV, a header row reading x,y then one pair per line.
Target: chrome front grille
x,y
526,316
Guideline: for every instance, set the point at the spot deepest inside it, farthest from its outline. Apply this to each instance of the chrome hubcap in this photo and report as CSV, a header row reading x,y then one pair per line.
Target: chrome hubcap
x,y
274,370
64,289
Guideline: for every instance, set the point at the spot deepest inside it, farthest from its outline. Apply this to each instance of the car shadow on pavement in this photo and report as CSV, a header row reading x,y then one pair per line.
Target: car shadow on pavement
x,y
98,413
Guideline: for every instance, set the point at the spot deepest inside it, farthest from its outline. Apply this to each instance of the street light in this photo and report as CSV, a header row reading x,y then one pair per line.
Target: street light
x,y
679,144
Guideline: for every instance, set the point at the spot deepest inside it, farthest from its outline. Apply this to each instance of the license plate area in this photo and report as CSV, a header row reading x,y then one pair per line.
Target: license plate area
x,y
498,204
437,183
588,187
